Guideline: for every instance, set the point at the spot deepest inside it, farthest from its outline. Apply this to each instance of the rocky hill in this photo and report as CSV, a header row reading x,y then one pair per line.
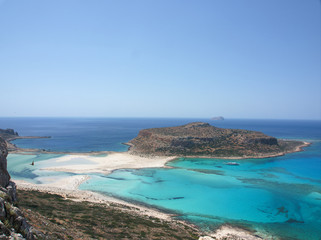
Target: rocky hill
x,y
13,225
4,175
8,134
202,139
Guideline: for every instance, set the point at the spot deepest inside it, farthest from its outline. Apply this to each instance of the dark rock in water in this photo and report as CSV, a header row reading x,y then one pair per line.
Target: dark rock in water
x,y
202,139
233,163
291,220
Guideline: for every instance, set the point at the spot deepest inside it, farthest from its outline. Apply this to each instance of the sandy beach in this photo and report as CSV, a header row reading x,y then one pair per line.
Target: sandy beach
x,y
68,187
106,162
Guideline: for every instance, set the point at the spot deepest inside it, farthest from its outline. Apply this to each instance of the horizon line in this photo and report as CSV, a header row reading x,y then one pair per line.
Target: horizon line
x,y
148,117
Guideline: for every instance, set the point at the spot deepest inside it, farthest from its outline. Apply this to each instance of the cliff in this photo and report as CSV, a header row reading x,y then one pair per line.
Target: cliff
x,y
4,175
202,139
13,225
8,133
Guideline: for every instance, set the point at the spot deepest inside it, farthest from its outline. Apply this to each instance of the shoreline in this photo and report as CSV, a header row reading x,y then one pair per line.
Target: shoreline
x,y
94,162
17,150
13,148
68,187
71,192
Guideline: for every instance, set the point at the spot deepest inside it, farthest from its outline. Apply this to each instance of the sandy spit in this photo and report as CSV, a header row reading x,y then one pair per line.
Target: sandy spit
x,y
106,164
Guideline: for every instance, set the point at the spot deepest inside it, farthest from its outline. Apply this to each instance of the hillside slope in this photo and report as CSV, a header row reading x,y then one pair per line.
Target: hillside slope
x,y
202,139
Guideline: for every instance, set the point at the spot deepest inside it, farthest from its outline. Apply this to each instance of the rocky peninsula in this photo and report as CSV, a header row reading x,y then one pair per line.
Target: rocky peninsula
x,y
9,135
200,139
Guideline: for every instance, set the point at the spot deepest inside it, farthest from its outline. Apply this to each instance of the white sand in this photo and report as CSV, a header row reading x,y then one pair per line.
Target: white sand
x,y
68,187
107,164
234,233
228,232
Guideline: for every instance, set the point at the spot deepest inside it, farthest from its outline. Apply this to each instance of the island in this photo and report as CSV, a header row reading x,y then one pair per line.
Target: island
x,y
203,140
217,118
59,209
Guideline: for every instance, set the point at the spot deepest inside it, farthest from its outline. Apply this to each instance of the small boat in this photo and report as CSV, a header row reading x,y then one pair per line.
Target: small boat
x,y
233,163
33,163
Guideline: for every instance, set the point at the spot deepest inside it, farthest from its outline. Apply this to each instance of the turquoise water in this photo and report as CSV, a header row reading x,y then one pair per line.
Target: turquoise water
x,y
20,168
279,196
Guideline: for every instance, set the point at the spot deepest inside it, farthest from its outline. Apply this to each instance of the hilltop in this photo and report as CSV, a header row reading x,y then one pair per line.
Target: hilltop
x,y
8,134
202,139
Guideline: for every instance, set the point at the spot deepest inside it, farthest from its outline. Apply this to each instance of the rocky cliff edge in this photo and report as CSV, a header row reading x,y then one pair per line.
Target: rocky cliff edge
x,y
13,225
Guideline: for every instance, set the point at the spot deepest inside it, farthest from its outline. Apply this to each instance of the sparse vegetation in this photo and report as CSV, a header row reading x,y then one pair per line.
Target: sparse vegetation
x,y
58,218
203,140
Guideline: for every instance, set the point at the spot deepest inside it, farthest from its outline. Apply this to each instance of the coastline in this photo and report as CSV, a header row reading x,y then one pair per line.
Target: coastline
x,y
15,149
68,187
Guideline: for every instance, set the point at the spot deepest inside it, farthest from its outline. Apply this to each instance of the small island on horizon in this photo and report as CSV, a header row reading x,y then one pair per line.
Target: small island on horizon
x,y
218,118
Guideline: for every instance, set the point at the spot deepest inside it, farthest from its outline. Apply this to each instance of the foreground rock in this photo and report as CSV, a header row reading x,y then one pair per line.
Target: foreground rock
x,y
4,175
13,225
202,139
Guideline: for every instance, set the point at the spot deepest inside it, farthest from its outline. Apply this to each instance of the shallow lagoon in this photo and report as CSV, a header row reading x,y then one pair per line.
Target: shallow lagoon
x,y
20,168
280,196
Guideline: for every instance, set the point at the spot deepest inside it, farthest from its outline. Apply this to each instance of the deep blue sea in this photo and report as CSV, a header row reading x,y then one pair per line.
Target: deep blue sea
x,y
279,196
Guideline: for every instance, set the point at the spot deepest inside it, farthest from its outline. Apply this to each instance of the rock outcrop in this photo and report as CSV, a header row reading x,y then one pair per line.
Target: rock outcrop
x,y
8,133
4,175
13,225
217,118
202,139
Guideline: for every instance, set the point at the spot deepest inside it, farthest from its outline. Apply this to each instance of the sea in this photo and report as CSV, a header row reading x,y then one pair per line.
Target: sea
x,y
279,197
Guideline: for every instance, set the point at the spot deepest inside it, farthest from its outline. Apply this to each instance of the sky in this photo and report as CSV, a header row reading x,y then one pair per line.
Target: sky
x,y
161,58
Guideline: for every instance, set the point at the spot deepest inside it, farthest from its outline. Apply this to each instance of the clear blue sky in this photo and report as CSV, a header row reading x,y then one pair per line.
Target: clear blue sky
x,y
165,58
